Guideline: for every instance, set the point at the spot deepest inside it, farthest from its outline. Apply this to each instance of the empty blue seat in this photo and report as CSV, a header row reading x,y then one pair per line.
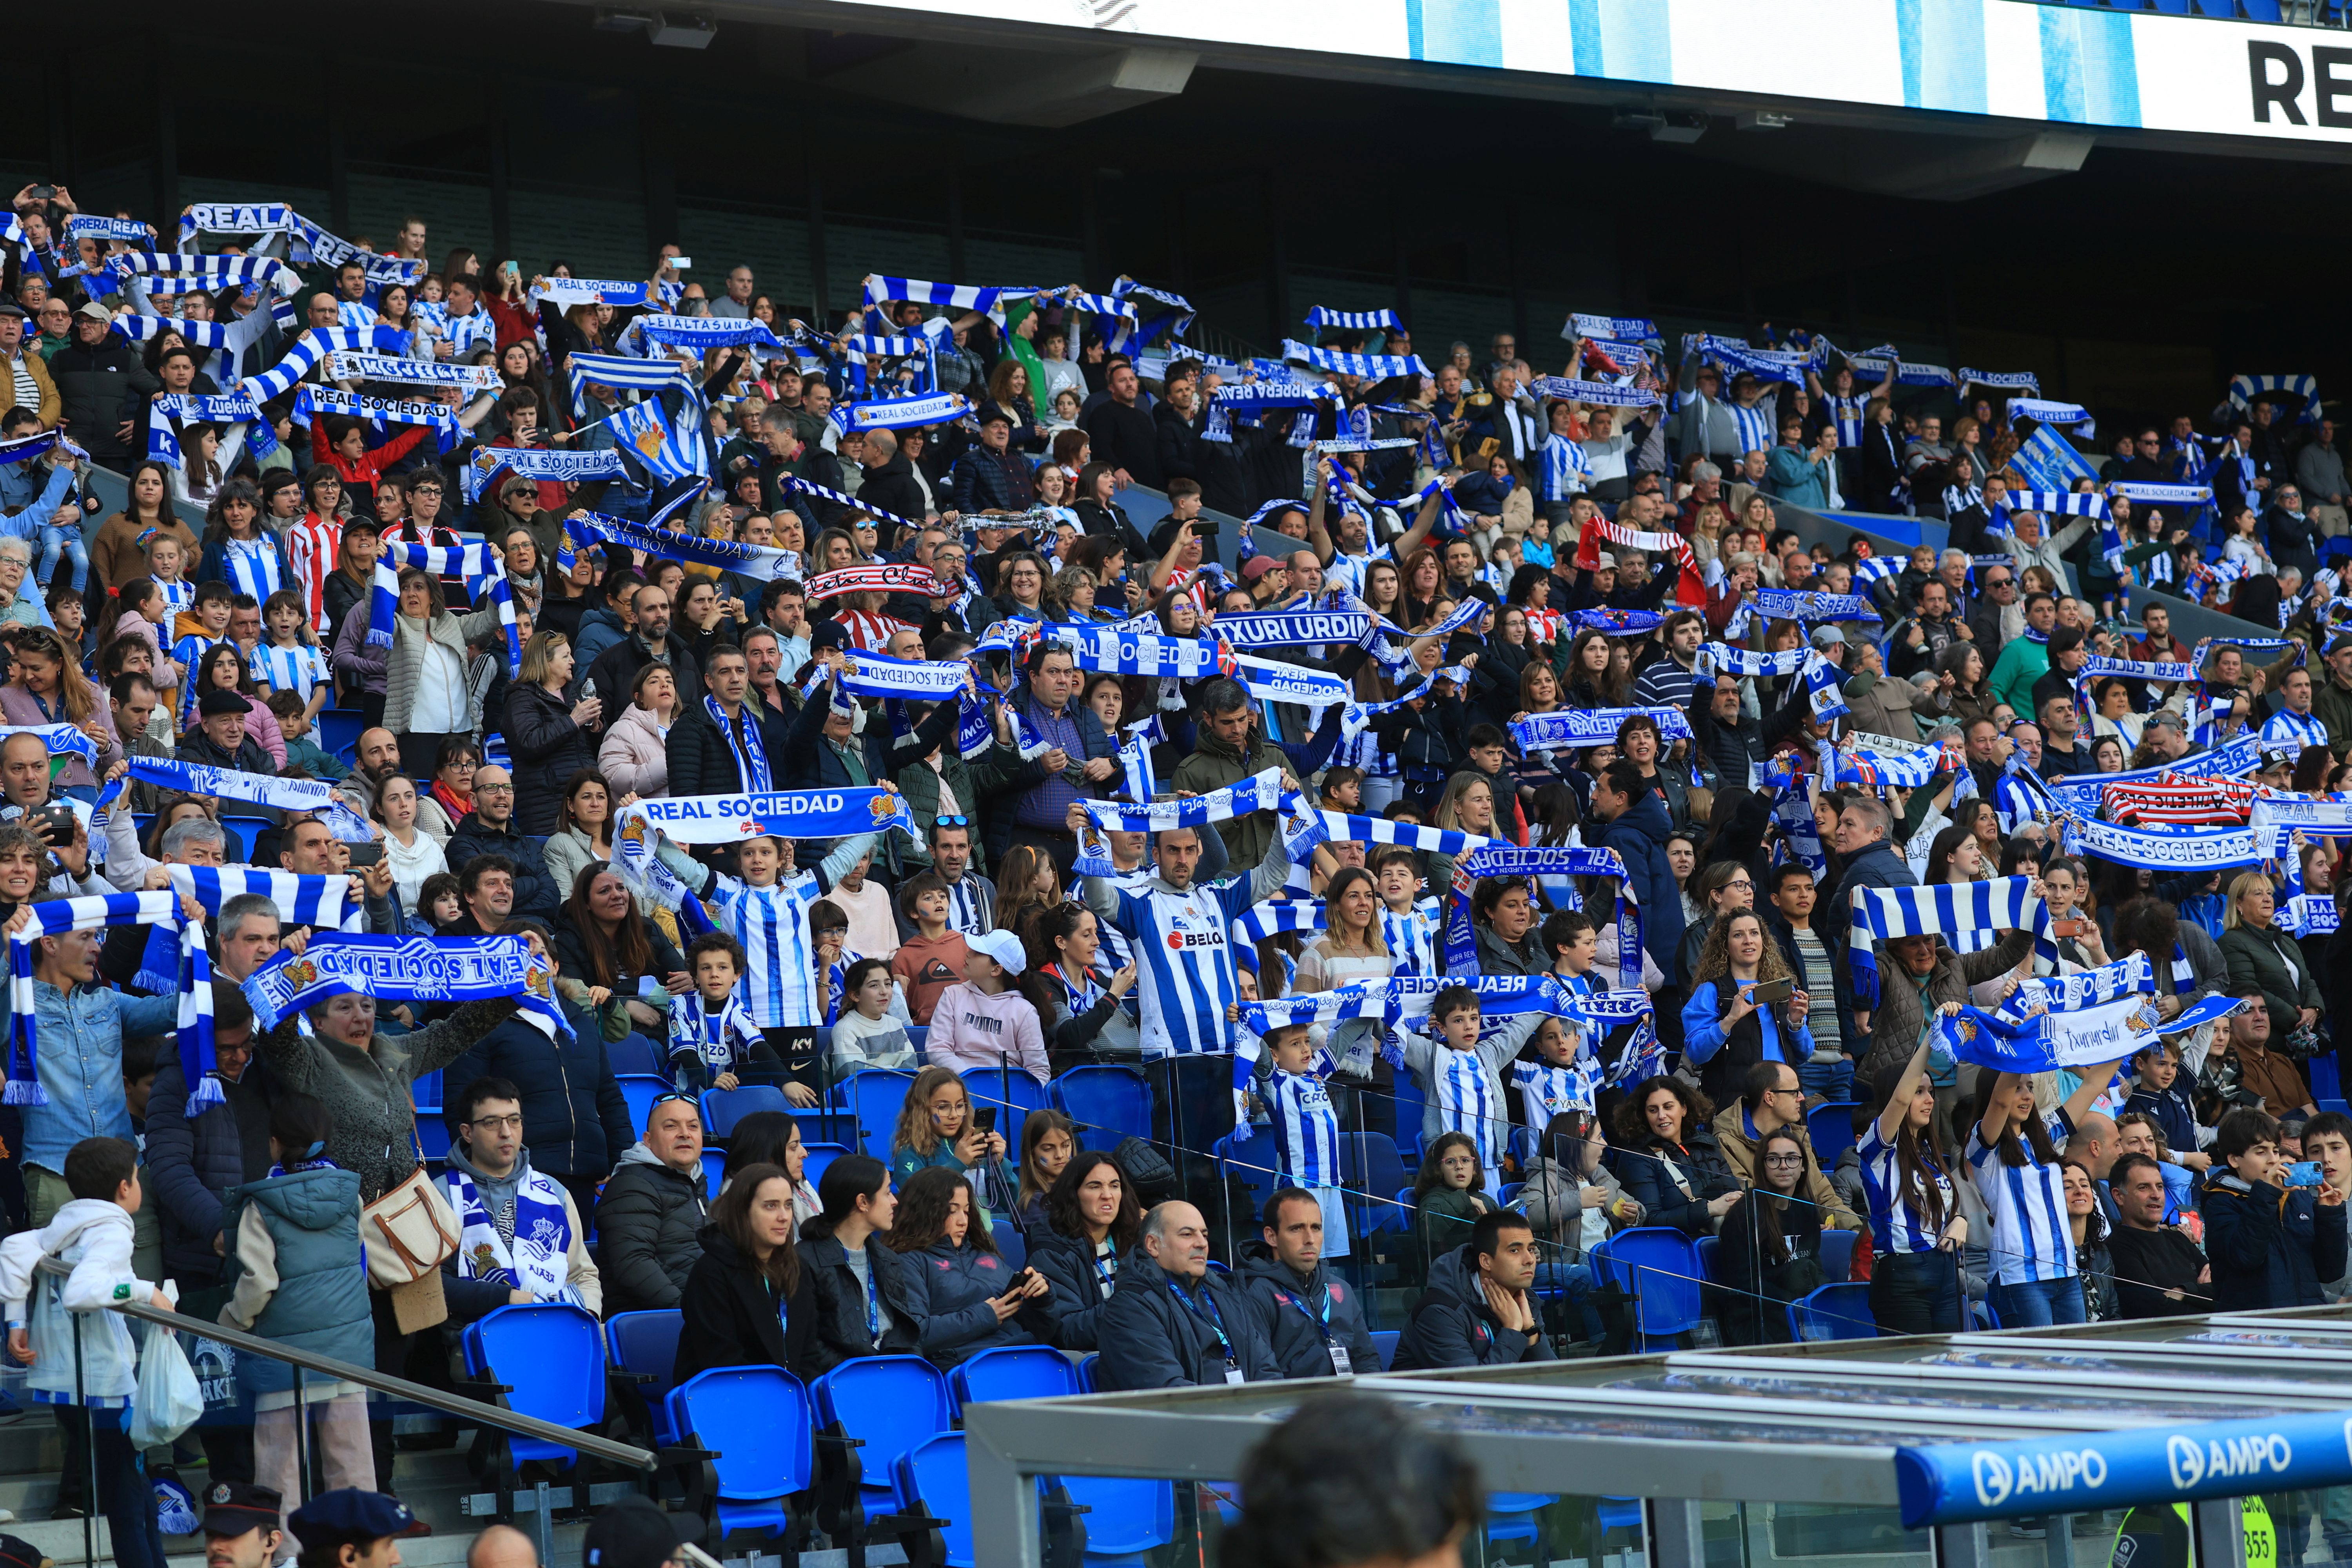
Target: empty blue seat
x,y
755,1419
1708,1246
1385,1341
1659,1267
1012,1094
1837,1255
889,1404
1833,1312
640,1091
552,1358
244,833
1125,1518
875,1096
1012,1372
714,1171
431,1136
1108,1103
826,1125
2261,10
819,1156
1370,1163
644,1348
724,1107
1087,1372
2327,1083
1010,1245
932,1474
338,728
632,1055
426,1092
1830,1128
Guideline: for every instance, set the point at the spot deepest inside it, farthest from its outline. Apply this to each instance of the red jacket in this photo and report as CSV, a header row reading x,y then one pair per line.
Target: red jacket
x,y
515,321
370,466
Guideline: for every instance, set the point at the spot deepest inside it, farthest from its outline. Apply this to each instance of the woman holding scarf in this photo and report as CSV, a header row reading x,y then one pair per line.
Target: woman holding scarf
x,y
550,738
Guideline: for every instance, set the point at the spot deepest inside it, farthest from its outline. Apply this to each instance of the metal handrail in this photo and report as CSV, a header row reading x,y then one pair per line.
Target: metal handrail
x,y
367,1377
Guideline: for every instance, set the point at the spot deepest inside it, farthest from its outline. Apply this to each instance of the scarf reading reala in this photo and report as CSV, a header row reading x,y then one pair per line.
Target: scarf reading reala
x,y
407,969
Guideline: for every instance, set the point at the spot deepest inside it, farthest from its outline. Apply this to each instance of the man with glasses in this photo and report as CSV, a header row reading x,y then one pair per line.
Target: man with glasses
x,y
1772,1099
1998,618
520,1239
490,829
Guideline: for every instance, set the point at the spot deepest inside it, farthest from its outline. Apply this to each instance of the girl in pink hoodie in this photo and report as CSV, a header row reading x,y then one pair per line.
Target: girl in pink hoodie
x,y
987,1020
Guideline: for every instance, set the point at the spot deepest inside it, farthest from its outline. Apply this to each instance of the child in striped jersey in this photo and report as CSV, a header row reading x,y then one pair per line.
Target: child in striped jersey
x,y
1410,930
713,1042
767,911
1306,1129
289,658
1460,1073
1561,1078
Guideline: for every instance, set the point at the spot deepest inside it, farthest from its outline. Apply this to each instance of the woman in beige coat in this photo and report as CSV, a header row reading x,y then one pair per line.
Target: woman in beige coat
x,y
425,695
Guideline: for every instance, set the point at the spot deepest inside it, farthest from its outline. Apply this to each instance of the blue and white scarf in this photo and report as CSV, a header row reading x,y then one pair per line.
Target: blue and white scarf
x,y
569,291
700,333
874,675
1173,320
350,366
760,563
1630,329
1274,917
311,402
799,486
1262,792
1359,716
1548,860
1366,367
2325,814
2059,503
750,753
2147,492
625,373
1719,659
538,1261
2000,380
407,969
60,738
2163,848
2097,665
524,462
730,818
1796,604
1598,394
475,561
1296,628
901,413
1319,317
57,917
1573,729
321,902
1302,829
312,796
1272,681
173,274
308,351
1883,914
1138,653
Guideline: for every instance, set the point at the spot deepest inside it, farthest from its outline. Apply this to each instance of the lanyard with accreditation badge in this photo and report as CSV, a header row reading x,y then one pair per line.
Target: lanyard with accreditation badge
x,y
1232,1366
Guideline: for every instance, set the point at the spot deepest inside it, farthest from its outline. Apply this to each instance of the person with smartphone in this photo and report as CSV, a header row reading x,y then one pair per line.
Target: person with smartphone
x,y
1744,1007
971,1299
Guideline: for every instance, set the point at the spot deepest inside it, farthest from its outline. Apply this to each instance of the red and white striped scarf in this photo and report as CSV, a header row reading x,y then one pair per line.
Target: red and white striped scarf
x,y
885,577
1690,588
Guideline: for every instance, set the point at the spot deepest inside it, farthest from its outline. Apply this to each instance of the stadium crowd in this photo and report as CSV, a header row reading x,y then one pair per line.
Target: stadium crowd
x,y
1543,808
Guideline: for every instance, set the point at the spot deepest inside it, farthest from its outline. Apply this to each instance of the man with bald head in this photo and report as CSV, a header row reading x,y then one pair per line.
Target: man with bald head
x,y
502,1546
378,755
1172,1323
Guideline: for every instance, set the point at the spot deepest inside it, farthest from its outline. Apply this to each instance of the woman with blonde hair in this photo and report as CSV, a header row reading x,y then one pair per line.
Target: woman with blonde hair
x,y
549,738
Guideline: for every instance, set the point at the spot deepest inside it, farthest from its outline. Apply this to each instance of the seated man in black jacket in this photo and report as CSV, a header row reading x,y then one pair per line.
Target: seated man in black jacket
x,y
1318,1320
1477,1311
219,740
1172,1323
652,1211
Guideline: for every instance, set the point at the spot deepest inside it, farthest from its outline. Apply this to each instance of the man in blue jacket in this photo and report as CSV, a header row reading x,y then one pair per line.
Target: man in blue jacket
x,y
1637,829
1171,1323
1477,1310
1316,1320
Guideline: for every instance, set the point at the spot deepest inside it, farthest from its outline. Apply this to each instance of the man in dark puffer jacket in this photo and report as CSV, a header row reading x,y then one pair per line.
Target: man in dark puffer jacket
x,y
194,1161
575,1119
652,1206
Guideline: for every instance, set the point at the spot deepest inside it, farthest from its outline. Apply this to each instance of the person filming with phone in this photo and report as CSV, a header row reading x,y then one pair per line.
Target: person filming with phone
x,y
971,1299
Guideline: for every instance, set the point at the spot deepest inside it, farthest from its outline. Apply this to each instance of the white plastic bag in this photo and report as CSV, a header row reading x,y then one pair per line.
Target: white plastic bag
x,y
169,1400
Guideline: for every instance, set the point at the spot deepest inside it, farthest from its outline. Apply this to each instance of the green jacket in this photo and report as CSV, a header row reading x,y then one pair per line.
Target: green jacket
x,y
2261,958
2333,707
920,785
1214,765
2021,663
1444,1219
309,1222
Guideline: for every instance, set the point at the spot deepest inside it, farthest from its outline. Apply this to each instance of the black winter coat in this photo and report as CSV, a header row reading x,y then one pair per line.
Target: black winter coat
x,y
1077,1302
647,1220
702,763
1302,1342
837,1305
192,1161
730,1316
575,1121
1150,1341
535,891
548,747
1453,1326
100,388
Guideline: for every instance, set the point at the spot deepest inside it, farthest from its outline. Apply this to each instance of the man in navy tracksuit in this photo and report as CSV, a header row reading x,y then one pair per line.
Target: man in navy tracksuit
x,y
1317,1321
1477,1311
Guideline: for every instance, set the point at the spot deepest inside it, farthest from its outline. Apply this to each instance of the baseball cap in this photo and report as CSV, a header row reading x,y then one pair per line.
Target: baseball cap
x,y
95,311
635,1533
1257,566
1827,636
1001,946
232,1508
1605,562
352,1514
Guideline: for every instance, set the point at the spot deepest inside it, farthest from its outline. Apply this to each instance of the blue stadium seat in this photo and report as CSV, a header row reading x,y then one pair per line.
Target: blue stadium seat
x,y
826,1125
875,1096
933,1475
1411,1106
724,1107
552,1358
755,1420
714,1171
640,1091
338,728
1010,1245
2261,10
1833,1312
2326,1082
1087,1372
1659,1267
1708,1246
431,1136
1108,1103
1515,1516
819,1156
1837,1255
644,1351
142,821
425,1089
1251,1161
1830,1128
1126,1517
244,833
1012,1372
1385,1341
1509,1194
1987,1315
889,1404
635,1055
1013,1095
1370,1163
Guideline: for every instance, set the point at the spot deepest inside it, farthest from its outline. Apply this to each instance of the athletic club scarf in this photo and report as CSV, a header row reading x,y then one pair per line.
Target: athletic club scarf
x,y
1272,681
1690,587
1262,792
538,1260
477,563
57,917
2189,802
2082,793
750,753
1883,914
1139,653
1573,729
312,796
407,969
886,577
